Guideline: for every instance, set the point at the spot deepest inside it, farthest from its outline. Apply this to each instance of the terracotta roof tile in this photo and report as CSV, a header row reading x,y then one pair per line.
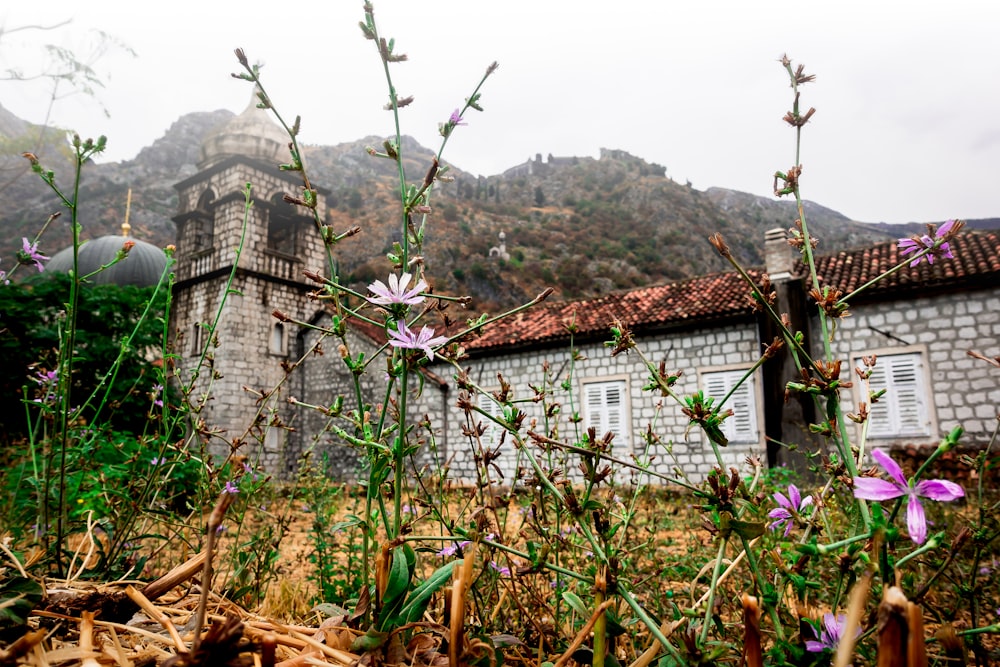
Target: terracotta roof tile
x,y
723,296
705,298
976,256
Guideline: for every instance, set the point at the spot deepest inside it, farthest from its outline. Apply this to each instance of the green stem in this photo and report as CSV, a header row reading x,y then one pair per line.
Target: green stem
x,y
933,543
716,572
651,625
824,549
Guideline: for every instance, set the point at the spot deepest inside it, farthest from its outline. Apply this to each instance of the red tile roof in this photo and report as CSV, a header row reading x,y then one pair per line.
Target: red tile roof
x,y
976,259
723,296
719,296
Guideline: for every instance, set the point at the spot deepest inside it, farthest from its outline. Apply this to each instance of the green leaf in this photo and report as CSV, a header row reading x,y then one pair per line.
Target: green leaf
x,y
18,596
399,577
574,601
420,597
370,641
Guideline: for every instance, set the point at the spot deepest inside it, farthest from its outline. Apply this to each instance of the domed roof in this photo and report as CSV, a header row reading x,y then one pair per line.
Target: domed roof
x,y
252,134
142,267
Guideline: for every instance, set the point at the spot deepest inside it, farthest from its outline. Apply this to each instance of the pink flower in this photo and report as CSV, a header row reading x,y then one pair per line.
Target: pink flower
x,y
405,338
502,569
829,634
454,120
396,291
29,254
788,509
919,243
872,488
453,549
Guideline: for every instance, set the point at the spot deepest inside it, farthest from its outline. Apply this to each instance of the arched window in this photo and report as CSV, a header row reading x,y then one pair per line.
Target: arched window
x,y
202,223
277,343
282,228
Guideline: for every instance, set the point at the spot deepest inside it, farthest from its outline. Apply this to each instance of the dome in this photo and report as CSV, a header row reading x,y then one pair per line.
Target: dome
x,y
142,267
251,134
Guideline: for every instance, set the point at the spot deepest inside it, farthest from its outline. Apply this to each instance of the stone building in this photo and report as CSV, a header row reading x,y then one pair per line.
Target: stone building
x,y
236,265
921,322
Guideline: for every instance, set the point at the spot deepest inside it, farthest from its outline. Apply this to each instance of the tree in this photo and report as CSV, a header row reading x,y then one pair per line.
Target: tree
x,y
539,196
31,318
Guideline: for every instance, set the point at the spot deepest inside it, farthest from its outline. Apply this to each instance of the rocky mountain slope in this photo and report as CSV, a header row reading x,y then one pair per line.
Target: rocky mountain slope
x,y
582,225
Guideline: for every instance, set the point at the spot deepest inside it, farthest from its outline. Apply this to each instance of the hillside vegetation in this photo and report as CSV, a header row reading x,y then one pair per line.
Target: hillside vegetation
x,y
585,226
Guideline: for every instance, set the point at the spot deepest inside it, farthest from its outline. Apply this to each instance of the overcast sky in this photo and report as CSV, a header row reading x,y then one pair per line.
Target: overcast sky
x,y
907,126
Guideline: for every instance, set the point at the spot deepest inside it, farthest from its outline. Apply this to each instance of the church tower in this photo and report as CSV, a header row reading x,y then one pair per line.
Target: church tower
x,y
235,382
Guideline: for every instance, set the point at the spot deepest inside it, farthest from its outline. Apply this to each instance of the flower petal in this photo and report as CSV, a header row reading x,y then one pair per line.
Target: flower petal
x,y
834,626
815,647
944,228
872,488
779,513
890,466
939,489
794,496
780,498
916,520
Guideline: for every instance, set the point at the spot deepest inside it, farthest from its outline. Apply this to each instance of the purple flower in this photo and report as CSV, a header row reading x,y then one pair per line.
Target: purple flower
x,y
872,488
403,337
919,243
46,377
788,508
828,635
453,549
503,570
156,461
396,291
454,120
157,392
30,254
230,487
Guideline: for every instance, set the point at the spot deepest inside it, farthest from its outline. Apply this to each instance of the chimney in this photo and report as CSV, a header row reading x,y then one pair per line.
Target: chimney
x,y
779,257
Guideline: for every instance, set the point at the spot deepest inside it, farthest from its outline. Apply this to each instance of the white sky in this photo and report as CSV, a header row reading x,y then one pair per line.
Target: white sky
x,y
907,93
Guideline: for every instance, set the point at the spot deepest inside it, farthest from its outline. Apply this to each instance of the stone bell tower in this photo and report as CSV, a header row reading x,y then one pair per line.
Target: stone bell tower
x,y
239,366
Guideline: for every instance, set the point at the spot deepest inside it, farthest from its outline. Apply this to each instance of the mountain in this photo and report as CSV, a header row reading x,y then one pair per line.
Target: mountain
x,y
580,224
26,202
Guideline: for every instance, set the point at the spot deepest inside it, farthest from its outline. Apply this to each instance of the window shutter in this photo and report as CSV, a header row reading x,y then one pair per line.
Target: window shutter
x,y
605,409
901,410
742,425
880,425
507,461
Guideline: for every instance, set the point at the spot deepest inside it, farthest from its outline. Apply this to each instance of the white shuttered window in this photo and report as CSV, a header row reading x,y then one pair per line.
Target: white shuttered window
x,y
742,425
606,409
507,461
902,409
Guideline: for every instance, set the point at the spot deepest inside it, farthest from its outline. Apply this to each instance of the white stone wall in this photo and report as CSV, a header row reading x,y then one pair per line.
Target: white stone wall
x,y
965,391
692,352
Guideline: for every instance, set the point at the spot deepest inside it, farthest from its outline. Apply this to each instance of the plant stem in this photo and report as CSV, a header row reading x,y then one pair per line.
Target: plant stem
x,y
710,603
